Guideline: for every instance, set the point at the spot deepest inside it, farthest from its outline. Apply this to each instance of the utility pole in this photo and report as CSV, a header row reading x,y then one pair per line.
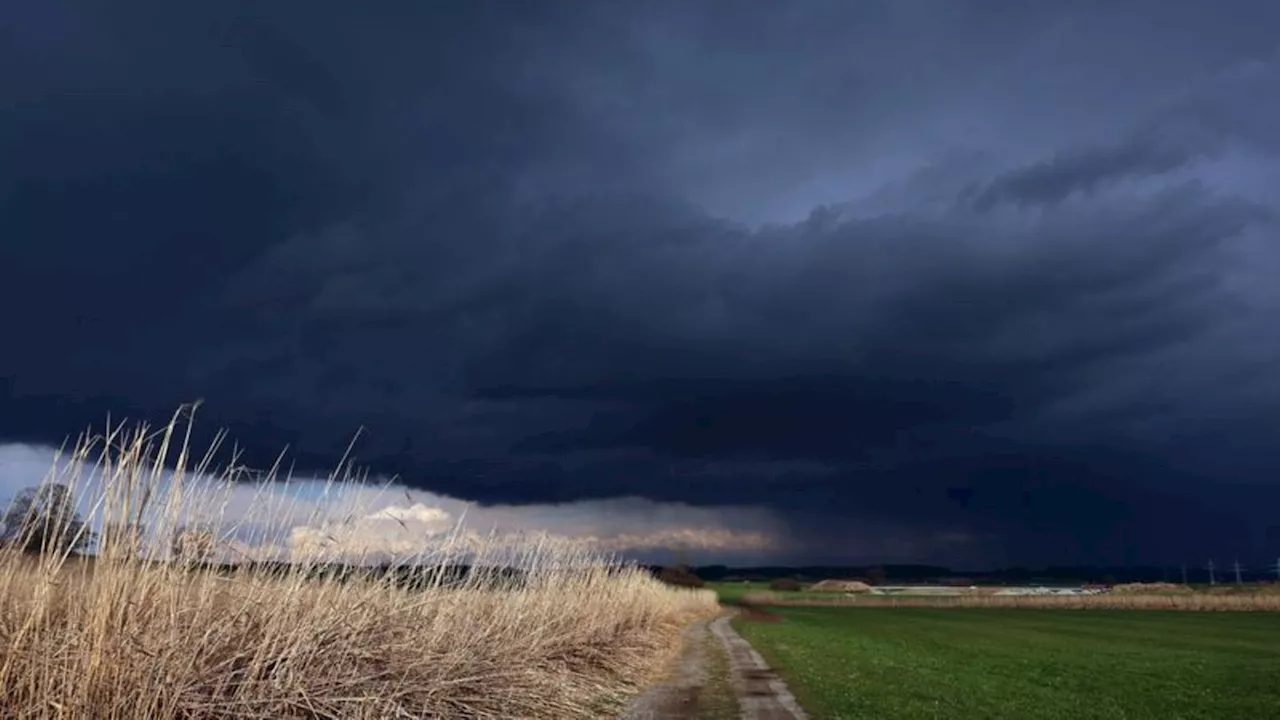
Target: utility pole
x,y
1277,569
1237,568
1184,572
1213,579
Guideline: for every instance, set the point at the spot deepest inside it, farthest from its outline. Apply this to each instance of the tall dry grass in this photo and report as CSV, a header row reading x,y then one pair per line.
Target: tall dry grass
x,y
134,634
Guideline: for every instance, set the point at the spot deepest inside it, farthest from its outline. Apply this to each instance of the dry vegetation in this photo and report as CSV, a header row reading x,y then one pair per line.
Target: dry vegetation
x,y
1140,588
128,637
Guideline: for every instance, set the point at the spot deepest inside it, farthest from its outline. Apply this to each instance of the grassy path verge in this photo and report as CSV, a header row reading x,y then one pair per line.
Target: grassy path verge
x,y
697,685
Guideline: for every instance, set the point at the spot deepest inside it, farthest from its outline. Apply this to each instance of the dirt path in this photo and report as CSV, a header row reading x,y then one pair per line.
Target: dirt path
x,y
762,695
717,677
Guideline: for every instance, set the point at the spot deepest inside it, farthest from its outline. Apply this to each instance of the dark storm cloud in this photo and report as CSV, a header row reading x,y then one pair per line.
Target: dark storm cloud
x,y
1012,292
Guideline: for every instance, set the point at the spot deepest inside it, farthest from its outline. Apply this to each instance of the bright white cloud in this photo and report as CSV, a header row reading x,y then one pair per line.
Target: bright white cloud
x,y
306,517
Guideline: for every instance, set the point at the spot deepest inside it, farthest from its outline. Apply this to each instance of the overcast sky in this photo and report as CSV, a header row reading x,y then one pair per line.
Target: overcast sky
x,y
969,282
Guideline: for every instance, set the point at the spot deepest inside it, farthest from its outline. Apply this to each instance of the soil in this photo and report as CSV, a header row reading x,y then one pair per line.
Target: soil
x,y
680,693
718,676
756,613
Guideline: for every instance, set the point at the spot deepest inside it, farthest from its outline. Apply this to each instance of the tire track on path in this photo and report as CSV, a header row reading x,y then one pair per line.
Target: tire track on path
x,y
760,693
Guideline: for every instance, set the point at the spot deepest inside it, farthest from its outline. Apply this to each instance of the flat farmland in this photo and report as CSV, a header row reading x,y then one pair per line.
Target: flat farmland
x,y
910,663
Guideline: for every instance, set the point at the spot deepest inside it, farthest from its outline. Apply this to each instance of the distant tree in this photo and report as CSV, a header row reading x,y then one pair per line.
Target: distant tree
x,y
44,519
876,575
713,572
193,545
120,539
680,576
786,584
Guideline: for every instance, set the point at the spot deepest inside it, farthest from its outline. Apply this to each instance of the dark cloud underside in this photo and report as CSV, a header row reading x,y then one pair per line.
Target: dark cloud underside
x,y
1000,272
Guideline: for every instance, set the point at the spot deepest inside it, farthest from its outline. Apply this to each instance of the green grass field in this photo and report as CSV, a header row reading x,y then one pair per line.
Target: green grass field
x,y
731,593
890,663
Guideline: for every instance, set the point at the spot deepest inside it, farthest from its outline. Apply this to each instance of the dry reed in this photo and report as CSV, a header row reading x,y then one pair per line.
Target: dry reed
x,y
132,635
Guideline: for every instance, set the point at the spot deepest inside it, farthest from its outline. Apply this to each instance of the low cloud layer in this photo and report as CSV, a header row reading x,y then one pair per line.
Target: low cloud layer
x,y
379,521
940,283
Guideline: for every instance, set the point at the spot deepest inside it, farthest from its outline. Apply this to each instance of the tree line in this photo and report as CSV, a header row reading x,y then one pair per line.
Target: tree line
x,y
44,520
